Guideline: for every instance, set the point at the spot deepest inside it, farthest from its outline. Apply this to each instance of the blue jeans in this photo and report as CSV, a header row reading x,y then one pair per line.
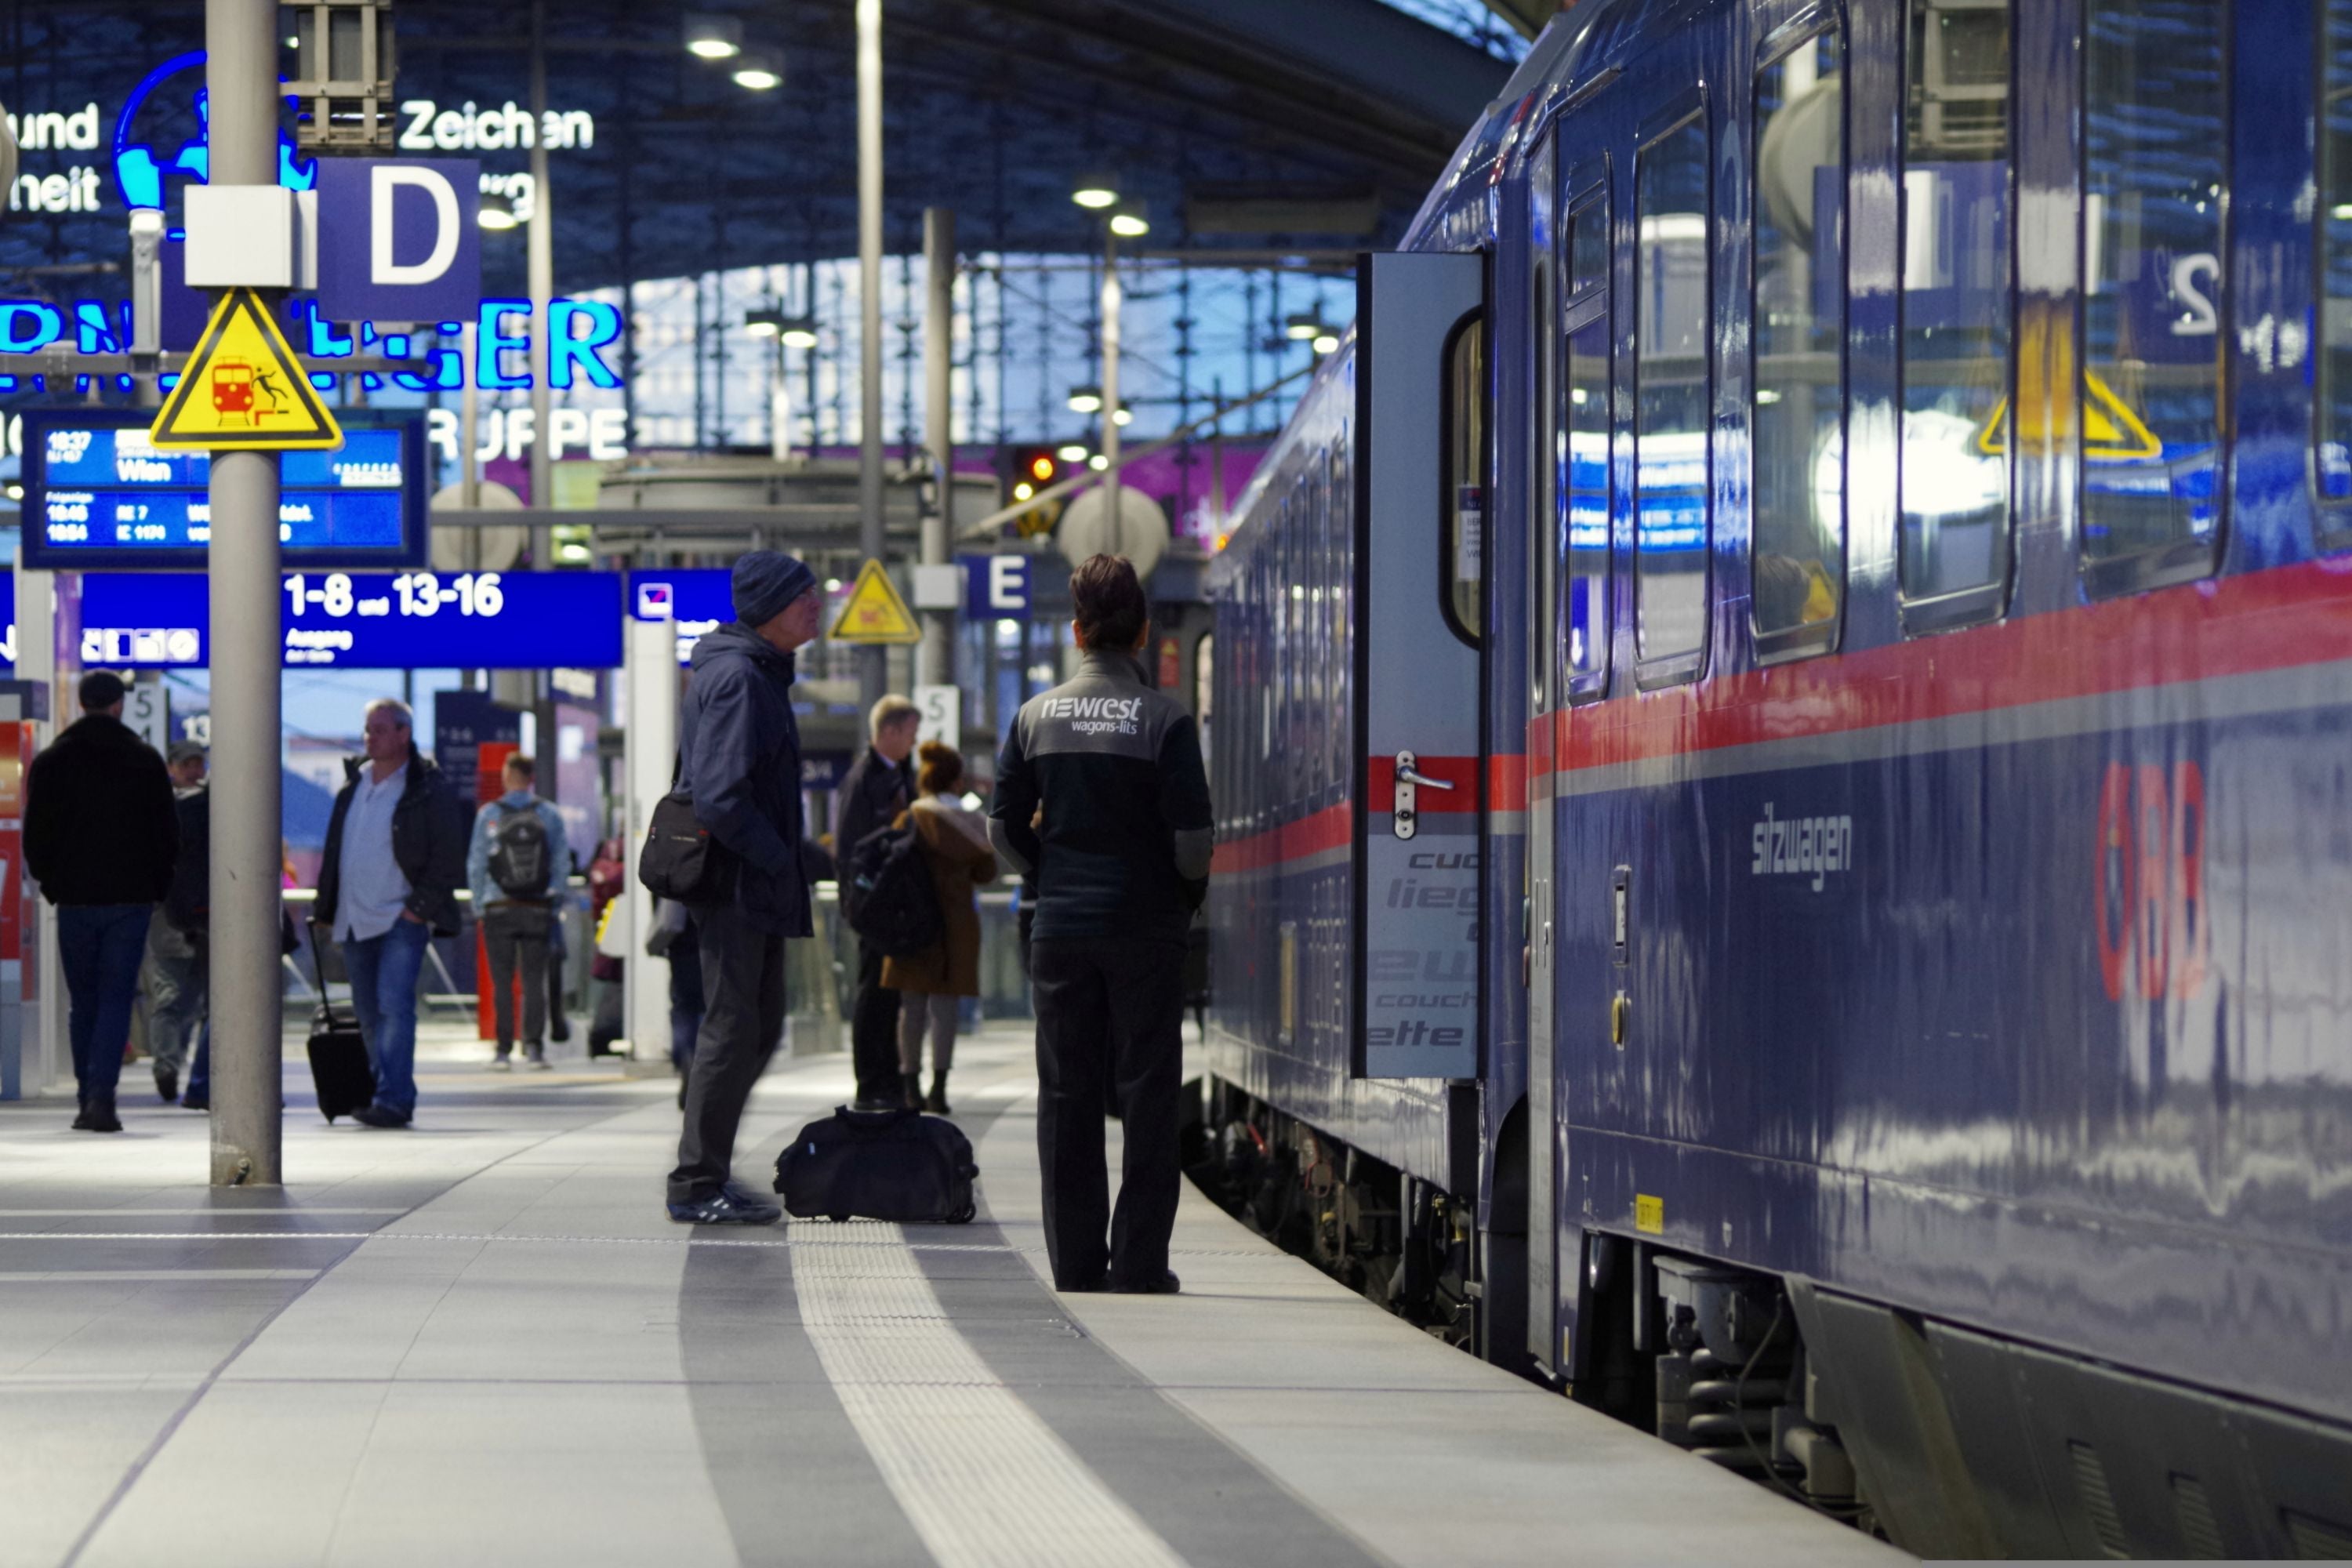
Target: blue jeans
x,y
383,971
99,947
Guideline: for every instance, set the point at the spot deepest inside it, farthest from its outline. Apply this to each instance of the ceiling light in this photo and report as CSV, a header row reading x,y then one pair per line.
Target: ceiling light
x,y
759,73
16,493
1075,452
1327,342
1023,491
800,332
763,323
497,211
1095,191
1099,462
1129,222
1125,416
714,37
1302,329
1086,399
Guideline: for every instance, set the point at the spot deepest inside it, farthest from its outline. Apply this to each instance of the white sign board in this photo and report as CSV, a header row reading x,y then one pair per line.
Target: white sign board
x,y
943,710
146,708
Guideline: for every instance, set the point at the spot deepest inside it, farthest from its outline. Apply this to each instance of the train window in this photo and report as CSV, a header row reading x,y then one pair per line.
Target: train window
x,y
1672,332
1954,477
1584,636
2332,417
1465,474
1587,241
1797,491
1335,610
2154,131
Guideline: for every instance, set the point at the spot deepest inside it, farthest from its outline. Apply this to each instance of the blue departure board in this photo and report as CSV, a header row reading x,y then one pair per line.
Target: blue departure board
x,y
97,494
696,598
369,620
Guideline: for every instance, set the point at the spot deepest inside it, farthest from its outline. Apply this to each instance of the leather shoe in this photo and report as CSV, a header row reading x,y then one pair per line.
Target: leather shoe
x,y
730,1204
167,1083
97,1117
196,1102
1166,1285
377,1116
1094,1286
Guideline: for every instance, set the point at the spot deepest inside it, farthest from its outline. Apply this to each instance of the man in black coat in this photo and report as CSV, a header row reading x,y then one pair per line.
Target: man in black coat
x,y
739,762
387,886
100,837
877,787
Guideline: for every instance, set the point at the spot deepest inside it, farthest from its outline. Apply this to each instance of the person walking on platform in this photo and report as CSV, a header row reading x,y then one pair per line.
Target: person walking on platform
x,y
177,962
740,763
879,785
101,836
514,869
930,984
1121,857
387,886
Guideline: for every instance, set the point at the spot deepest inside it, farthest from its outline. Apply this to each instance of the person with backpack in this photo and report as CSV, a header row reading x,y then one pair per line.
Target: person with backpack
x,y
515,867
930,984
879,786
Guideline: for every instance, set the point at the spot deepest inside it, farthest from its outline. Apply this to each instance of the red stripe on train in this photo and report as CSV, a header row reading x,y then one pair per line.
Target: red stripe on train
x,y
2276,619
1327,829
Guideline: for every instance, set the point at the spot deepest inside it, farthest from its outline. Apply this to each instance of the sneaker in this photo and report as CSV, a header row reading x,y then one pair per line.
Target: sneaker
x,y
539,1063
378,1117
730,1204
1166,1285
167,1083
502,1063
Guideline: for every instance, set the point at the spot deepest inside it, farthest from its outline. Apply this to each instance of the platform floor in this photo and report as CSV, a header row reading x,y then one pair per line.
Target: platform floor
x,y
481,1342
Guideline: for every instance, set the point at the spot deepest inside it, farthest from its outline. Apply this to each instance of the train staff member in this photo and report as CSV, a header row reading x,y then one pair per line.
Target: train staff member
x,y
739,759
1121,857
877,787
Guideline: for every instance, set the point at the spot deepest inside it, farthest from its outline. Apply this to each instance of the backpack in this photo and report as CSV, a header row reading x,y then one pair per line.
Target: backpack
x,y
519,854
894,905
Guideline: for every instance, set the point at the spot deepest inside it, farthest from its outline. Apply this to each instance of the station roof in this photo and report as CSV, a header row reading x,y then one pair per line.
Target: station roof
x,y
1245,127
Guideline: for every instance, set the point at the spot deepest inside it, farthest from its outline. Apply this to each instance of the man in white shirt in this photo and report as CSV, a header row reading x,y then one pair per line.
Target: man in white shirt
x,y
387,886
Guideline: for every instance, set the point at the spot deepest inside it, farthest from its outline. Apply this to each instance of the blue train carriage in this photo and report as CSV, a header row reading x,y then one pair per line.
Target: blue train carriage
x,y
1921,439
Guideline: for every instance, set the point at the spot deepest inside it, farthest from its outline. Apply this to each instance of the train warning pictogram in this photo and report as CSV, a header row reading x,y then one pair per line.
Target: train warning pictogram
x,y
243,388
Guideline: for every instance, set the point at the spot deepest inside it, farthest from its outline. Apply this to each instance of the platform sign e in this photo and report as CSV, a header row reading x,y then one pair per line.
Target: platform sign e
x,y
995,587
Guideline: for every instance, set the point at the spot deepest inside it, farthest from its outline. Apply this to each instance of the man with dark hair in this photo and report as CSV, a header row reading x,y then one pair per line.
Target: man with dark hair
x,y
515,868
879,785
387,886
101,836
739,762
177,963
1120,854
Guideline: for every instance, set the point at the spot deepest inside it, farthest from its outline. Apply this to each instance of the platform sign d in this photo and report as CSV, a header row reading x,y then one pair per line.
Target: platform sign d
x,y
398,241
874,612
244,389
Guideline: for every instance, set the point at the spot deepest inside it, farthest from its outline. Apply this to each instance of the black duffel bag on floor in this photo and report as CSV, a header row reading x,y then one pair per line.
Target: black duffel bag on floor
x,y
879,1164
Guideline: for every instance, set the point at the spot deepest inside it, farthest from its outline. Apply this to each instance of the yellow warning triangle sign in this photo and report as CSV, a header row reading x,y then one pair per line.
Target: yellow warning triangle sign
x,y
2111,431
875,613
244,389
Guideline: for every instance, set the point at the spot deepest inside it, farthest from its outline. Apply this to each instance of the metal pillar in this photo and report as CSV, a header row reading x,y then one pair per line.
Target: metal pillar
x,y
543,293
241,79
873,667
469,428
1111,301
936,663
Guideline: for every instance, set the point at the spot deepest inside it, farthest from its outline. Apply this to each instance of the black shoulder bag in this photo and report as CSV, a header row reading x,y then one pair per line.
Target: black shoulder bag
x,y
680,860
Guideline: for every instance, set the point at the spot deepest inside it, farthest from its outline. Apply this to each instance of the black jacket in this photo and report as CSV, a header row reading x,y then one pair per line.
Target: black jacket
x,y
429,833
1124,852
740,759
873,793
189,909
100,825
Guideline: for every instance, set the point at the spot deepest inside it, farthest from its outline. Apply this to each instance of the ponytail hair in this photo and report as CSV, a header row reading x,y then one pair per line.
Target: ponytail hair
x,y
943,767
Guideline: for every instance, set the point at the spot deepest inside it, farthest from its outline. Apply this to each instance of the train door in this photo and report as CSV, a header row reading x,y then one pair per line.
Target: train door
x,y
1419,777
1545,451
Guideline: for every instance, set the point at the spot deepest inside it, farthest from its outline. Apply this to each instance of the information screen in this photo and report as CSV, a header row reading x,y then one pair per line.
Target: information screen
x,y
369,620
99,494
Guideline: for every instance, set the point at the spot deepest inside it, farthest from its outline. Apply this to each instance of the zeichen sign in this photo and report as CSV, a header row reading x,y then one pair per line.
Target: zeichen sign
x,y
242,389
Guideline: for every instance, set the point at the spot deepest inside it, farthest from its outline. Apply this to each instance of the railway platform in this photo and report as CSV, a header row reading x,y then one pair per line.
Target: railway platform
x,y
480,1341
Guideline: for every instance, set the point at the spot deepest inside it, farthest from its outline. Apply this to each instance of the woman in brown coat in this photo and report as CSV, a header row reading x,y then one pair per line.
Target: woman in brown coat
x,y
932,982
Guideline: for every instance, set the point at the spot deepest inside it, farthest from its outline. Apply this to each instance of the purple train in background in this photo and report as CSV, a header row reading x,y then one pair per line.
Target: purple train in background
x,y
1782,731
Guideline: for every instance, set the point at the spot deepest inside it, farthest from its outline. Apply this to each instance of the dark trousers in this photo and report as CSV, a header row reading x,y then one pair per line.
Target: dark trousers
x,y
1109,1030
874,1030
742,1019
101,947
515,936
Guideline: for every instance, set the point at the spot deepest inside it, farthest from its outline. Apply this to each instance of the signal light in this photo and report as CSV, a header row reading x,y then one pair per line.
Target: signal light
x,y
1041,467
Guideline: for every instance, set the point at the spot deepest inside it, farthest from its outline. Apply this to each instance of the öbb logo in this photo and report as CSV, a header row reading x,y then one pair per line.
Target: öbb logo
x,y
2154,930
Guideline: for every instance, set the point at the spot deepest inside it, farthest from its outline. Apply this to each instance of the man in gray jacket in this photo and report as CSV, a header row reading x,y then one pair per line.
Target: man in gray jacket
x,y
1120,853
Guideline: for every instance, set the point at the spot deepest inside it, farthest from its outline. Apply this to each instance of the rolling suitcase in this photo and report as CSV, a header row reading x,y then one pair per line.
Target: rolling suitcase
x,y
879,1164
340,1067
